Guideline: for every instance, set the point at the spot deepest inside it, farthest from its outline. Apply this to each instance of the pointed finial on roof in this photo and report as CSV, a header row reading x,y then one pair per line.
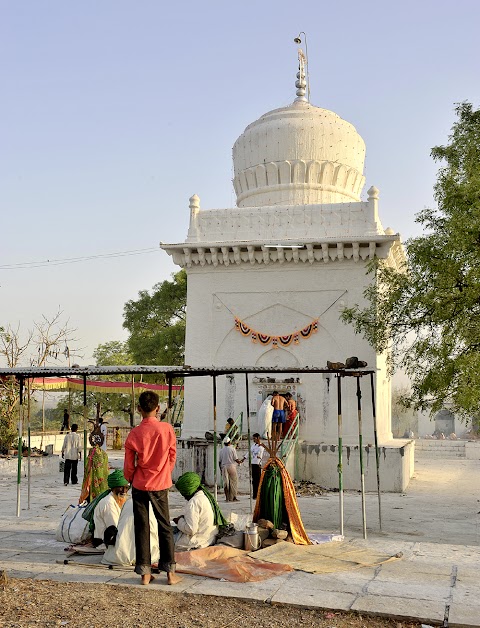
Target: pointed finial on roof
x,y
302,85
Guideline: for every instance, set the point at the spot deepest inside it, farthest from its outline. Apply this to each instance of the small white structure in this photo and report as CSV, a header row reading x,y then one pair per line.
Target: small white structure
x,y
277,270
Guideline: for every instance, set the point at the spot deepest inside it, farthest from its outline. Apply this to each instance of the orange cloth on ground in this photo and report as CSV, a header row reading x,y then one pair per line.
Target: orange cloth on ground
x,y
227,563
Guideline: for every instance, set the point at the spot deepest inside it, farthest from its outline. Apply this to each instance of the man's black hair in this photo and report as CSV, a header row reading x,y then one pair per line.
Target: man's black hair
x,y
74,427
148,400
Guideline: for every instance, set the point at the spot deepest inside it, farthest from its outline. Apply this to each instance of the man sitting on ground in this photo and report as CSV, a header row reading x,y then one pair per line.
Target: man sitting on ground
x,y
198,526
107,510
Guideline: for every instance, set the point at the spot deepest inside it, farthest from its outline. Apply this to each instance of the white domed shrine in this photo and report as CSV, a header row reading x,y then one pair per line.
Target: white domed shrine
x,y
268,279
298,155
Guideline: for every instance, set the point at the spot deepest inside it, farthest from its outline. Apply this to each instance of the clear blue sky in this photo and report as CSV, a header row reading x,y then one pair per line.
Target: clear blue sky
x,y
114,113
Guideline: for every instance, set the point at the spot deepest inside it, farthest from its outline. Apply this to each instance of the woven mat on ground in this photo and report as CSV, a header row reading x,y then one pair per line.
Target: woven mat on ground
x,y
227,563
325,558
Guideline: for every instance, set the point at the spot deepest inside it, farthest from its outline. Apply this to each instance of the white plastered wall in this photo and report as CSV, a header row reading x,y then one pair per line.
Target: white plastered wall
x,y
278,299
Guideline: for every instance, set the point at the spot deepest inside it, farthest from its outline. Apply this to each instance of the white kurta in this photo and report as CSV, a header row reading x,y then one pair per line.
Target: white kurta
x,y
123,552
104,430
264,418
196,526
106,514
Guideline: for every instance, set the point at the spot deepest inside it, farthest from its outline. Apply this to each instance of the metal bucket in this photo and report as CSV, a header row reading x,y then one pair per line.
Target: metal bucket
x,y
252,538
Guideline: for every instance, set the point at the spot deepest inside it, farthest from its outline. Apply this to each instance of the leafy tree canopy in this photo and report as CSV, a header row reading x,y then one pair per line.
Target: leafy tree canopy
x,y
113,404
156,322
428,312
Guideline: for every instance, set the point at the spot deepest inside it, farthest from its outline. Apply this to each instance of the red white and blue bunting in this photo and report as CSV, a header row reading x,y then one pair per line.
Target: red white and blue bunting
x,y
277,341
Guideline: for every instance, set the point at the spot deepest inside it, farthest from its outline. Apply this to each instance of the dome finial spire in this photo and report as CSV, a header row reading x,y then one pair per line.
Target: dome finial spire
x,y
302,85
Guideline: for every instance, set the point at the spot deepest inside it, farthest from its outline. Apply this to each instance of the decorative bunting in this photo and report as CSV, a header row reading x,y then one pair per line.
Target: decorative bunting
x,y
282,341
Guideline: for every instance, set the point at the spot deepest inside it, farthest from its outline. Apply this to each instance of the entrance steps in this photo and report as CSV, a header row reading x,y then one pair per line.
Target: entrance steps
x,y
440,448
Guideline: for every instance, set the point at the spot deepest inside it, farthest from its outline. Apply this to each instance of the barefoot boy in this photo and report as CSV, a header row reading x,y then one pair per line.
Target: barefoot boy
x,y
150,453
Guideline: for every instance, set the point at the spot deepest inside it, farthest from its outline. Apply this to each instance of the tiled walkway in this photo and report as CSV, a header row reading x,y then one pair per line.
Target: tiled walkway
x,y
433,582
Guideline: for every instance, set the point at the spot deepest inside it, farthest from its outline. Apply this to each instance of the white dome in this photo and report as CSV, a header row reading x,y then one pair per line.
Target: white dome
x,y
298,155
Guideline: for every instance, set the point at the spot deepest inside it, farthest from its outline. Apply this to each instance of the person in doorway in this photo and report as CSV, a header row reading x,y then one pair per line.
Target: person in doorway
x,y
230,429
228,462
279,404
291,413
65,421
199,524
104,431
257,450
150,454
107,511
71,453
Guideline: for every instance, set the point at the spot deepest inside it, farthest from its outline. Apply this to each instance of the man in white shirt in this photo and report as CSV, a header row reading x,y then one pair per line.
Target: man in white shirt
x,y
104,430
72,453
199,524
107,511
257,451
228,466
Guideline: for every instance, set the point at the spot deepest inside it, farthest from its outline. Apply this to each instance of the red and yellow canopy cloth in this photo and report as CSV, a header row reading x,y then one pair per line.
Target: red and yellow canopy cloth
x,y
277,341
72,383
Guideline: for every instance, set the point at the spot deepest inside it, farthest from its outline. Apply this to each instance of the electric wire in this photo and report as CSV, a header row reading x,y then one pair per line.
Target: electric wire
x,y
75,260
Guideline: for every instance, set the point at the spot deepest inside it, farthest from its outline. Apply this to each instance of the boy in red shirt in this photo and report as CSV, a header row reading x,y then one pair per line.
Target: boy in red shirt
x,y
150,453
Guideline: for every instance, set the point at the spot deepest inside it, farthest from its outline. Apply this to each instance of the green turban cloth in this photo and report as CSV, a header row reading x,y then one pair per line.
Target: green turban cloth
x,y
188,484
116,479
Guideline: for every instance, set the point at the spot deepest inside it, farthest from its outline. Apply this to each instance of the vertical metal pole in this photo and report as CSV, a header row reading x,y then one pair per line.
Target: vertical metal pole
x,y
20,443
360,450
29,444
377,451
132,410
170,395
85,422
215,436
340,449
249,445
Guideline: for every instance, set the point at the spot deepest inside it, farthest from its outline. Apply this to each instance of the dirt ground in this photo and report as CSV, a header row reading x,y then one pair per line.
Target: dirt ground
x,y
47,604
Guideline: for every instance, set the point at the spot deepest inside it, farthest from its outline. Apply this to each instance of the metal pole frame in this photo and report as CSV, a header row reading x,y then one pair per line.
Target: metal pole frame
x,y
377,451
132,407
29,444
340,450
20,444
85,422
215,481
249,444
360,451
169,406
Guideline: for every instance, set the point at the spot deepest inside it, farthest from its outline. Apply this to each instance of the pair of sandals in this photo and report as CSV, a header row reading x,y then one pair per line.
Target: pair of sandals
x,y
350,363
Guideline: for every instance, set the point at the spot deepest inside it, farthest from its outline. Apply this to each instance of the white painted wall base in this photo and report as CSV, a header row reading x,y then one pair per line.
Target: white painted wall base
x,y
316,462
38,466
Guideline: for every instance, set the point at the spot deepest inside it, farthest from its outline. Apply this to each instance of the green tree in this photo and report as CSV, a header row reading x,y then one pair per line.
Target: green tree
x,y
156,322
428,312
114,353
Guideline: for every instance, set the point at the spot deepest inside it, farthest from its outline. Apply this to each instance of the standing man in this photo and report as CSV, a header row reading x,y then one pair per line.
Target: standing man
x,y
104,430
66,421
72,453
291,413
228,466
257,451
279,404
150,453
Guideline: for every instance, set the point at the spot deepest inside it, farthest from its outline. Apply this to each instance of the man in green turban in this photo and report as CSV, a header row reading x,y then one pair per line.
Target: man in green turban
x,y
198,526
107,510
